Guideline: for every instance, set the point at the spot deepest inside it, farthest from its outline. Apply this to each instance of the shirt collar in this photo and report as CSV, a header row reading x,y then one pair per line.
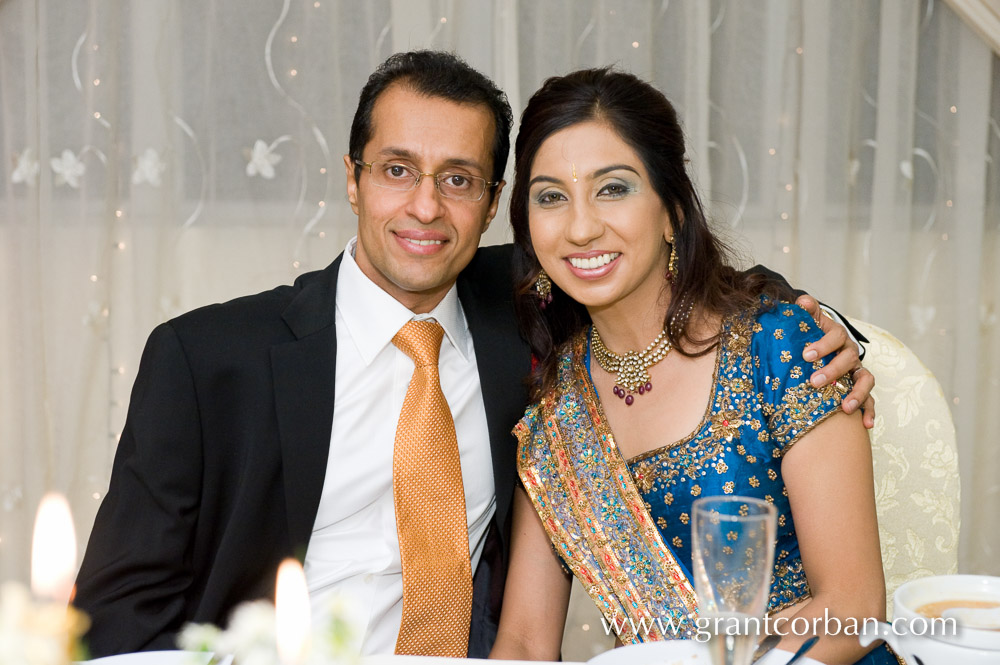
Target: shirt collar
x,y
373,317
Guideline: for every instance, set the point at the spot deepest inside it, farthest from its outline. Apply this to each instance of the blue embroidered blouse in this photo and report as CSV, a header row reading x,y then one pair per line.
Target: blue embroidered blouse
x,y
761,405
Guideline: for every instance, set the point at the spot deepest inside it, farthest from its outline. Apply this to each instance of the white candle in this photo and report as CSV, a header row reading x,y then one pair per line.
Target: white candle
x,y
292,618
53,550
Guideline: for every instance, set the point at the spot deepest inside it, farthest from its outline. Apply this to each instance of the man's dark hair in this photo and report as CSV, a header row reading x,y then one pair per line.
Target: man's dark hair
x,y
435,74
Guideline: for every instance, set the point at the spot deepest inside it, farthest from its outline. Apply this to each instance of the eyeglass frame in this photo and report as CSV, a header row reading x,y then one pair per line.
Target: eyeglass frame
x,y
420,176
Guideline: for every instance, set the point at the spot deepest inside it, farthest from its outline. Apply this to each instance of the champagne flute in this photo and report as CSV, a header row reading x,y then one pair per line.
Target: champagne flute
x,y
733,540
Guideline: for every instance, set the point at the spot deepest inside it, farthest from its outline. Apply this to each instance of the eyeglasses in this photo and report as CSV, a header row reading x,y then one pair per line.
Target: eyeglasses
x,y
403,178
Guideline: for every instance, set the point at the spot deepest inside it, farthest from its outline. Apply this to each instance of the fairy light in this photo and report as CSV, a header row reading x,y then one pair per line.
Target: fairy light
x,y
784,215
948,203
97,115
954,109
788,187
444,19
944,236
96,496
799,50
635,44
772,151
322,204
93,278
119,213
322,234
120,371
322,169
97,81
294,72
316,5
295,264
120,246
294,39
786,249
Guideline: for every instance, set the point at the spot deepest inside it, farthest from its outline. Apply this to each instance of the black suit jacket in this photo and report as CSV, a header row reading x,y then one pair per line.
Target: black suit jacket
x,y
220,466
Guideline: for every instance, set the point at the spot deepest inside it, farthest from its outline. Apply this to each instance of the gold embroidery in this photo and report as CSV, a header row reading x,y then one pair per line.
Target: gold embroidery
x,y
796,372
803,326
684,518
726,424
786,356
696,490
779,333
721,467
752,459
788,312
677,542
753,481
772,474
728,487
668,498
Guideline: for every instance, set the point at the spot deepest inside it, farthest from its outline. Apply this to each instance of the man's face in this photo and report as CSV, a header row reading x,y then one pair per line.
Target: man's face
x,y
414,243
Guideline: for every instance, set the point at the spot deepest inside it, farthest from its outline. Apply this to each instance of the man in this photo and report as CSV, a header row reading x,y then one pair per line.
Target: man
x,y
280,424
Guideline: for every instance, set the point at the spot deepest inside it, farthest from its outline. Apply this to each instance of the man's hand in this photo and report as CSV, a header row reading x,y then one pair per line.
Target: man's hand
x,y
836,340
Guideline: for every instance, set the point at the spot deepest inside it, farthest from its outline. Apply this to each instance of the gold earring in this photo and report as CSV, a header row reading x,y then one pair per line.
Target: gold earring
x,y
543,287
672,261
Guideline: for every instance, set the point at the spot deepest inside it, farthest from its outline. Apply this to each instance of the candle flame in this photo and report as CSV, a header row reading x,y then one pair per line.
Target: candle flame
x,y
291,612
53,550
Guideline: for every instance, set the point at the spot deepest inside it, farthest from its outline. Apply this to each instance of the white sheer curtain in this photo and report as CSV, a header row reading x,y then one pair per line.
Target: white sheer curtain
x,y
160,155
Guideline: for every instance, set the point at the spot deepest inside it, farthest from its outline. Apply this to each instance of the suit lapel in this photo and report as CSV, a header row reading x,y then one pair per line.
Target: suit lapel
x,y
503,361
304,372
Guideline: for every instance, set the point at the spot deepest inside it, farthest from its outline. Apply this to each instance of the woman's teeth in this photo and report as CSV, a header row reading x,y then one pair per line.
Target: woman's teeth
x,y
594,261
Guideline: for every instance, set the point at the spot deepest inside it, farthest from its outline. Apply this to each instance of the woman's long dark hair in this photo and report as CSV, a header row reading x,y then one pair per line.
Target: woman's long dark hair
x,y
647,122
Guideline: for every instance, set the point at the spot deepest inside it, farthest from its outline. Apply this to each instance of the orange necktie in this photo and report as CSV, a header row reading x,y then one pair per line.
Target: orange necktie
x,y
430,508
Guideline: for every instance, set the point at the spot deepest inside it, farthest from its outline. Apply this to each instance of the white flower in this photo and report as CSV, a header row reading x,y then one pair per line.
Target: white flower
x,y
148,168
68,169
26,169
262,160
251,636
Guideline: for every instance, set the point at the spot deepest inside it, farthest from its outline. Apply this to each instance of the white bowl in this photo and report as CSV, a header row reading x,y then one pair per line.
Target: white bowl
x,y
916,593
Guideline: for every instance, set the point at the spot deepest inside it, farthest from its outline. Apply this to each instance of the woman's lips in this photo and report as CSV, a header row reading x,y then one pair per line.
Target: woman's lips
x,y
592,265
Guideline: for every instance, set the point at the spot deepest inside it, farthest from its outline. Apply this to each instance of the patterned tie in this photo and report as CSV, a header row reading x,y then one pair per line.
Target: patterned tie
x,y
430,508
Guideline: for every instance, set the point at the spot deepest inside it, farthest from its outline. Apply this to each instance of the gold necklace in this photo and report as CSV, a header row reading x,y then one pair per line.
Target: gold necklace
x,y
632,369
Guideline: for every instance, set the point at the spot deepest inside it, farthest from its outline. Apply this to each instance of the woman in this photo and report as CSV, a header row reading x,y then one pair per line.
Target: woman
x,y
663,374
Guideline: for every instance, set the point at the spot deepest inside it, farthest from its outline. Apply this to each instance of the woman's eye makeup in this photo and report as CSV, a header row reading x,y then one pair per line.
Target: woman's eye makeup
x,y
615,189
548,197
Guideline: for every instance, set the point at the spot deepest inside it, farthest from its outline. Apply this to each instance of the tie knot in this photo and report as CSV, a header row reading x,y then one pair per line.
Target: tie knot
x,y
421,341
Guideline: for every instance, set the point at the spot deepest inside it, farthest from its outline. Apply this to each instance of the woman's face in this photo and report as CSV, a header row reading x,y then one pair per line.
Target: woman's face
x,y
597,225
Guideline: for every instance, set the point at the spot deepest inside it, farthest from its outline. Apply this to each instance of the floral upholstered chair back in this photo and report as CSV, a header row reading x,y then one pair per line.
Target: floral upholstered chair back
x,y
916,464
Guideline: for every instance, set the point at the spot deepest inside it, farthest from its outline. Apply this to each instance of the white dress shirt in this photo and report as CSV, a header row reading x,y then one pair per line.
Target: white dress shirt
x,y
353,552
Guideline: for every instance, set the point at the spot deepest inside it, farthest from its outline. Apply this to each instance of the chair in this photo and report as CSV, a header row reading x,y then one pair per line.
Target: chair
x,y
915,463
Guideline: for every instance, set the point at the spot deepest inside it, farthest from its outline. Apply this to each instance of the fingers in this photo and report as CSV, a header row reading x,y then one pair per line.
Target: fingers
x,y
810,304
869,415
861,394
836,340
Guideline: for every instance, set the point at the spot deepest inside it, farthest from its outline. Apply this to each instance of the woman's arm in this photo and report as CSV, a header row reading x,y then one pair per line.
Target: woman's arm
x,y
537,592
828,474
